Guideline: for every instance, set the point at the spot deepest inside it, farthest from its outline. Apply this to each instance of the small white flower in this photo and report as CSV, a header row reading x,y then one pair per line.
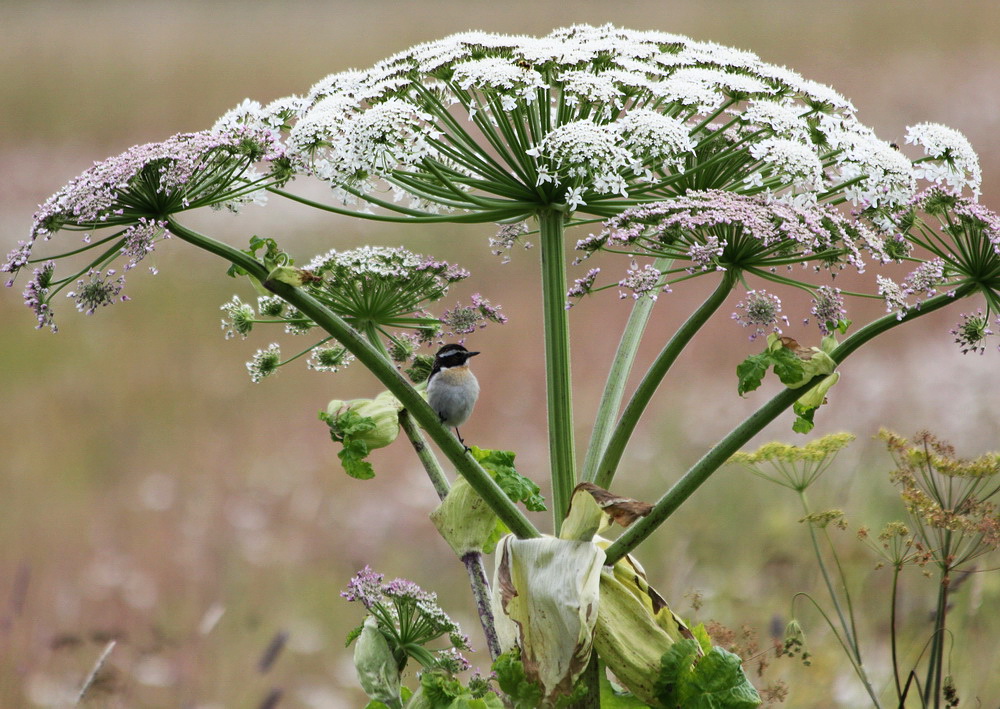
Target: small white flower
x,y
720,55
781,119
499,74
583,151
574,198
591,88
959,166
887,177
247,113
264,363
792,159
239,318
655,138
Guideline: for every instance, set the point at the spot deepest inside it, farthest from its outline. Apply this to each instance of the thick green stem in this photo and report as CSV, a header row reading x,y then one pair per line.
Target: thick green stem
x,y
614,388
738,437
464,463
484,604
383,370
605,471
562,453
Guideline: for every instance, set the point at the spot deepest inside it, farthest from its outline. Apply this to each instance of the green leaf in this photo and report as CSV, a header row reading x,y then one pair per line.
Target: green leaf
x,y
718,682
751,371
514,682
352,458
443,691
713,681
700,634
500,465
343,429
787,366
794,372
349,423
675,670
273,256
803,418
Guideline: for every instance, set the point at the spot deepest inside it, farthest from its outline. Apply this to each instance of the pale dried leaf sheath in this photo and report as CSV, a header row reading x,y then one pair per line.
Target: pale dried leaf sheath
x,y
545,596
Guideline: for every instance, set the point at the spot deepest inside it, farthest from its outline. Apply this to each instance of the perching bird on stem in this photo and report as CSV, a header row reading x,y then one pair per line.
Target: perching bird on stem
x,y
452,388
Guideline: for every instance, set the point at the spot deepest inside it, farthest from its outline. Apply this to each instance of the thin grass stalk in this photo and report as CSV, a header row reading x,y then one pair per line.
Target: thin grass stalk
x,y
893,607
92,675
935,665
847,624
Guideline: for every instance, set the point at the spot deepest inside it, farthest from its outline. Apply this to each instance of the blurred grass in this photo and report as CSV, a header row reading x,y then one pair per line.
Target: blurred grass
x,y
146,484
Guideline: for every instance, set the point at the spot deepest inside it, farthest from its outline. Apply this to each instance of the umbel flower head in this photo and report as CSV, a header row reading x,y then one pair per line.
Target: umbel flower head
x,y
409,618
959,242
484,126
380,285
713,231
794,467
132,194
381,291
150,181
950,500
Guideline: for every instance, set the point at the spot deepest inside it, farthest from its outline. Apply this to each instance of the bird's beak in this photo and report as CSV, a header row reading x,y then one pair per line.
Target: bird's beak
x,y
473,354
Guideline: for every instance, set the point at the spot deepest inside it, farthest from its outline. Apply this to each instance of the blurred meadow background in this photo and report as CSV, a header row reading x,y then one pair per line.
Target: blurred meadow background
x,y
152,495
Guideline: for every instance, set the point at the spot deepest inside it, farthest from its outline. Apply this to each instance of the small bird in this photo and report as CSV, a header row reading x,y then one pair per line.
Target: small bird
x,y
452,388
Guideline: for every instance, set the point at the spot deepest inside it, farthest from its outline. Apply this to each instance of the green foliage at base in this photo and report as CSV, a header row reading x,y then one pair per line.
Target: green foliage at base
x,y
513,681
696,675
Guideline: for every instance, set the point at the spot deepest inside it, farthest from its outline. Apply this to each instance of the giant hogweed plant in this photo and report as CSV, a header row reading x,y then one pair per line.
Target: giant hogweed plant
x,y
677,160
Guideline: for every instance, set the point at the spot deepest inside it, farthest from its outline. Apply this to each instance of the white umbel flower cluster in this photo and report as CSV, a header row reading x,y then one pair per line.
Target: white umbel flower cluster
x,y
952,161
591,118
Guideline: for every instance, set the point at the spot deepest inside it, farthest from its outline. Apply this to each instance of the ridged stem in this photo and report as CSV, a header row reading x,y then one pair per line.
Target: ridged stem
x,y
562,454
473,560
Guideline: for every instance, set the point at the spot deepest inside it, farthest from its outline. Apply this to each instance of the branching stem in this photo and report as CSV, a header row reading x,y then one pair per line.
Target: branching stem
x,y
382,369
605,471
738,437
